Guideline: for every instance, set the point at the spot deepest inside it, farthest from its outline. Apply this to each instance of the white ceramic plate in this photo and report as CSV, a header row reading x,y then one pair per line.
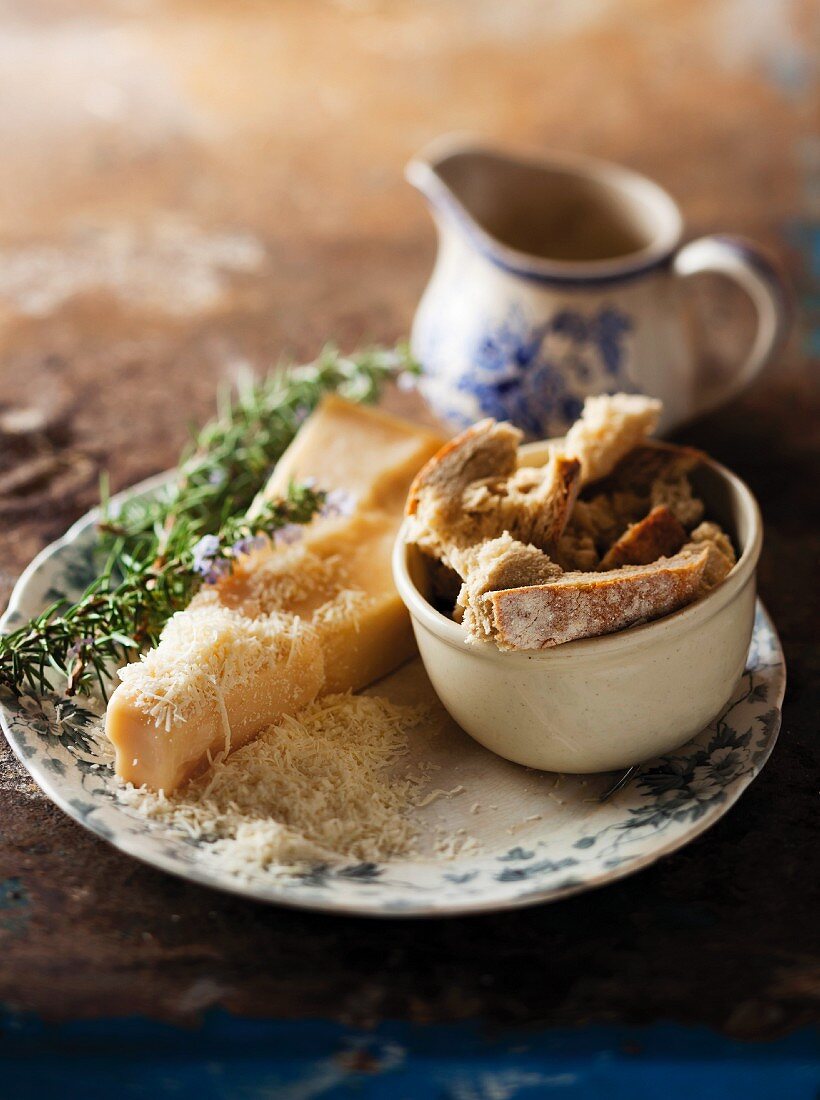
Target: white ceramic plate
x,y
534,837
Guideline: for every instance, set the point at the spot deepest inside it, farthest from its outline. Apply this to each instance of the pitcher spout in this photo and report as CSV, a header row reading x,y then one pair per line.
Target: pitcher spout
x,y
562,218
426,171
450,173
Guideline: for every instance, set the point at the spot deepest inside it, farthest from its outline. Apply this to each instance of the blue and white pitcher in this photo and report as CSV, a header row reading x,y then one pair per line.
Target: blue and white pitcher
x,y
561,277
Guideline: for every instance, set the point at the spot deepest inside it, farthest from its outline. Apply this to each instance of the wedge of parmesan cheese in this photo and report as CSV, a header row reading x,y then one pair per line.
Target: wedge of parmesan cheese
x,y
291,622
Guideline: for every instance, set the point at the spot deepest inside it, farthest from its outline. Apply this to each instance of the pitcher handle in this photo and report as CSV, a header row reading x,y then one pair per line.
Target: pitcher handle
x,y
750,267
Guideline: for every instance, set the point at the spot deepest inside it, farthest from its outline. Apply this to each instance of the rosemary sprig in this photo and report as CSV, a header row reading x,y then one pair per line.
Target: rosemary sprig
x,y
230,458
114,619
159,550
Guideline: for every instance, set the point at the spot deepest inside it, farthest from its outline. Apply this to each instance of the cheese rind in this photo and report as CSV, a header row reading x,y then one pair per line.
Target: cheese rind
x,y
290,622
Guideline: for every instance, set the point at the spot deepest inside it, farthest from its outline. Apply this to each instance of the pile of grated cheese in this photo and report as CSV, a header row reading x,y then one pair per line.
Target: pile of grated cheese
x,y
318,785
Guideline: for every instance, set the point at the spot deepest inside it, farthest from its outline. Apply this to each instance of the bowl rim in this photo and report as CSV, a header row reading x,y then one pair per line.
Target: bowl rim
x,y
692,617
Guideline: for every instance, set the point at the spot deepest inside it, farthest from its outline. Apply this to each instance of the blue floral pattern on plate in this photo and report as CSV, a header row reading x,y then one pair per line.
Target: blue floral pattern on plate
x,y
575,841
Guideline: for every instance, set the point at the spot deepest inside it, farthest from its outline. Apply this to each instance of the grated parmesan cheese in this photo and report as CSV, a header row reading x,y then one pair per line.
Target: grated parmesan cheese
x,y
316,785
245,630
435,795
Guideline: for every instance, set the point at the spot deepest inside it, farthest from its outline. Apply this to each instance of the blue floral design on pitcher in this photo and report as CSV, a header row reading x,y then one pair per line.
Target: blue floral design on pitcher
x,y
538,377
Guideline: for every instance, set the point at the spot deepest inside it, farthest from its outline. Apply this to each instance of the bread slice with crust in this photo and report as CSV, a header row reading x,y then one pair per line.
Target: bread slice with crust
x,y
484,450
471,492
536,502
499,563
585,605
658,535
437,519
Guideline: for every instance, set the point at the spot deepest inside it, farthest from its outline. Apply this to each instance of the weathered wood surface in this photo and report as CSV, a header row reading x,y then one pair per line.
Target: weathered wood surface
x,y
188,188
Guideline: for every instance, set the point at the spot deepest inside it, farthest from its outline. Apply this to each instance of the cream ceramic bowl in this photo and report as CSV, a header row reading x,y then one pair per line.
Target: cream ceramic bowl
x,y
599,704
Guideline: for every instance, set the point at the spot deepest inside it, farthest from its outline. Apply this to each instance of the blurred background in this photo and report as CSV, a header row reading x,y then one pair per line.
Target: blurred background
x,y
186,186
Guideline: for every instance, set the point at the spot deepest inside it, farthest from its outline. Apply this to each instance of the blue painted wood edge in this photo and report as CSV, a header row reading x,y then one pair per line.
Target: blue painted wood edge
x,y
226,1056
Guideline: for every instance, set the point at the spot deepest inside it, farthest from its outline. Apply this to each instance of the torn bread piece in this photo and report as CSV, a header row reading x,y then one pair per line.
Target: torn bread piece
x,y
609,428
658,535
583,605
645,463
650,477
714,533
538,501
435,507
720,554
471,492
503,562
676,495
577,551
533,505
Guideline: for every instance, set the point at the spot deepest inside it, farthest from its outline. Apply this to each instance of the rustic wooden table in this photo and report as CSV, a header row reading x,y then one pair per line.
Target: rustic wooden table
x,y
186,189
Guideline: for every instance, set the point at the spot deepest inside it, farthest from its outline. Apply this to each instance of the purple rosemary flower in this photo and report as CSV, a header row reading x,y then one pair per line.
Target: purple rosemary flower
x,y
288,534
248,544
76,650
204,552
338,502
219,568
210,567
406,381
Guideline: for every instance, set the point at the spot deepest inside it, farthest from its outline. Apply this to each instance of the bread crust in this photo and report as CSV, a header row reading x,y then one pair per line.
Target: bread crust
x,y
566,484
658,535
585,605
